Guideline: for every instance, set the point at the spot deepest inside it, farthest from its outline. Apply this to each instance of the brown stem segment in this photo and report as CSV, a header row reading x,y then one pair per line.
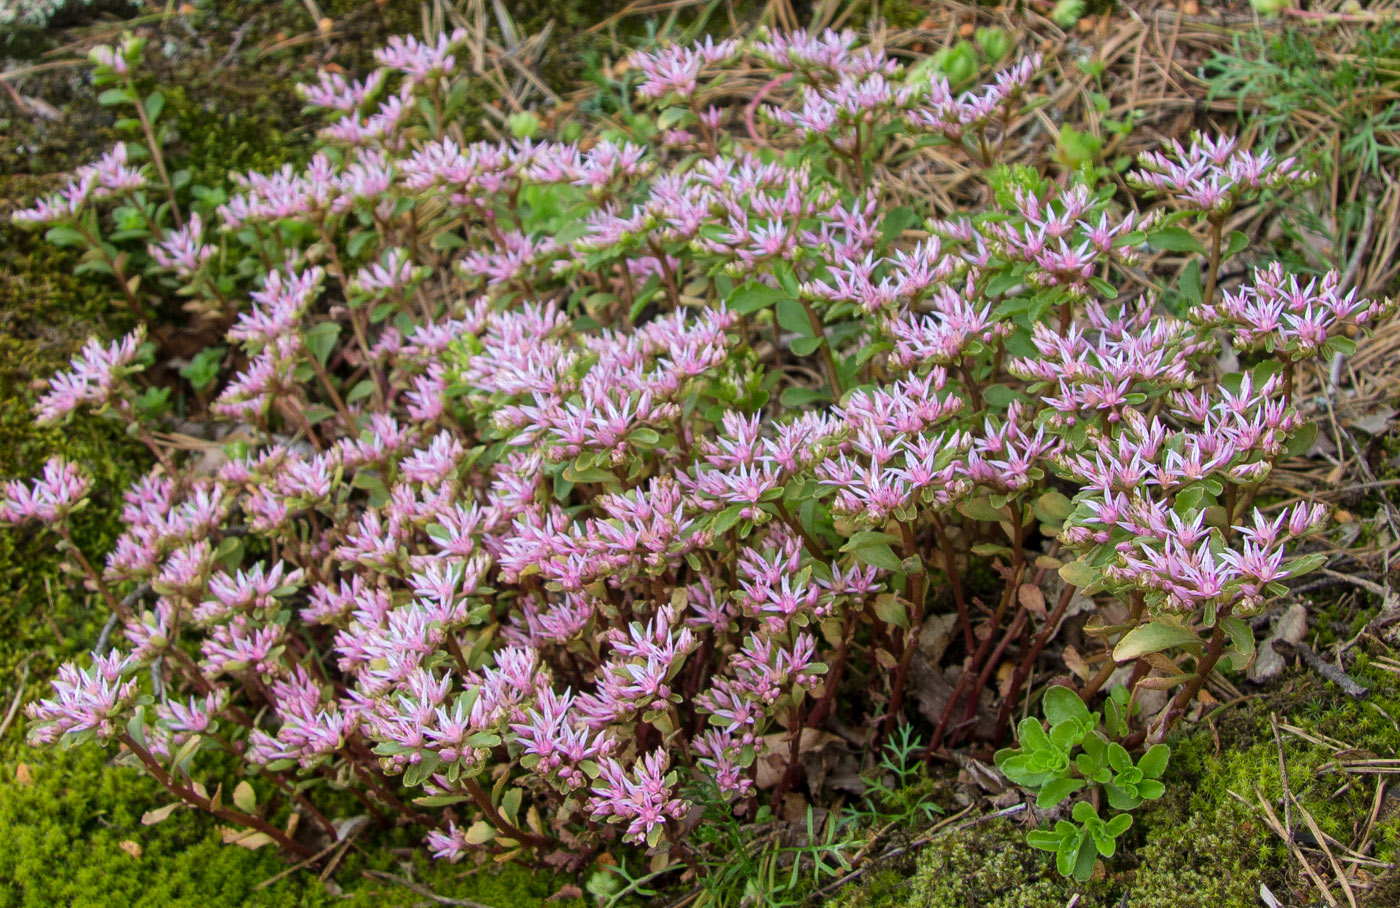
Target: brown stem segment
x,y
116,605
978,659
951,570
504,826
228,814
1204,666
1099,680
833,677
828,360
794,759
1023,670
156,156
916,592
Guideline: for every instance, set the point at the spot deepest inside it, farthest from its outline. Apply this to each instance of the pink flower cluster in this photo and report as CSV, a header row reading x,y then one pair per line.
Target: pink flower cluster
x,y
95,377
49,498
108,177
600,468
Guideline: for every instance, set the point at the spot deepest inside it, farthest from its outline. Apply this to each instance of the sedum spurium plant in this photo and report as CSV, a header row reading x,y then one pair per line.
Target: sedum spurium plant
x,y
560,480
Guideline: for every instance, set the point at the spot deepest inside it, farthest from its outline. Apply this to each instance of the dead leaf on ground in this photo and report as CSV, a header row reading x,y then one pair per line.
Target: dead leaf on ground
x,y
770,768
983,775
152,817
1032,599
1075,663
935,635
131,848
569,891
1374,422
1290,627
244,838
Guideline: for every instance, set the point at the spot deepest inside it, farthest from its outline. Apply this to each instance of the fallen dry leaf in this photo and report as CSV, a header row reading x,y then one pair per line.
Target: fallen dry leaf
x,y
935,635
1375,422
1289,627
771,767
22,775
1032,599
1075,663
569,891
152,817
244,838
130,847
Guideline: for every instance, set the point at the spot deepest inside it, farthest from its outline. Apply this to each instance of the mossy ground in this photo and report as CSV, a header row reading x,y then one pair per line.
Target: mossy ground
x,y
1206,844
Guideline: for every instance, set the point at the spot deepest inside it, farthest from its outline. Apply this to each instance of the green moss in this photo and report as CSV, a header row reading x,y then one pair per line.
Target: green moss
x,y
988,865
71,829
1206,844
901,13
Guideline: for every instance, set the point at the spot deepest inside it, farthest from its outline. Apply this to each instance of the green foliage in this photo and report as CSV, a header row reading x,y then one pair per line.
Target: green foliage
x,y
899,792
1275,75
1202,845
1047,764
736,869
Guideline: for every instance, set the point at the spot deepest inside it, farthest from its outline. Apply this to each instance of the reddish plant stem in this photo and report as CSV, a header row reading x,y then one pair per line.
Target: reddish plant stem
x,y
1012,632
915,591
494,817
455,648
1100,679
828,359
103,590
794,764
1204,666
833,677
189,795
156,156
978,658
379,791
319,368
1023,670
951,570
306,805
758,97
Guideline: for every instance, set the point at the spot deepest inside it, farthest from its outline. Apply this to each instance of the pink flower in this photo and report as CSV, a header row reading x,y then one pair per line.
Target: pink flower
x,y
49,498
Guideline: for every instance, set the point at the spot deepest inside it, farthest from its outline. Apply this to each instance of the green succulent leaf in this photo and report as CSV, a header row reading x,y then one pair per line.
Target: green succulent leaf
x,y
1154,762
1061,704
1055,792
1119,799
1153,637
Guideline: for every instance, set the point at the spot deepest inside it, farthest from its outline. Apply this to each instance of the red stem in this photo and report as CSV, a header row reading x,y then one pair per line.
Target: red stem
x,y
206,804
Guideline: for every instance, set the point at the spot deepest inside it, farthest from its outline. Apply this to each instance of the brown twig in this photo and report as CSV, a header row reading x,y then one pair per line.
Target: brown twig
x,y
420,889
1331,672
206,804
19,697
